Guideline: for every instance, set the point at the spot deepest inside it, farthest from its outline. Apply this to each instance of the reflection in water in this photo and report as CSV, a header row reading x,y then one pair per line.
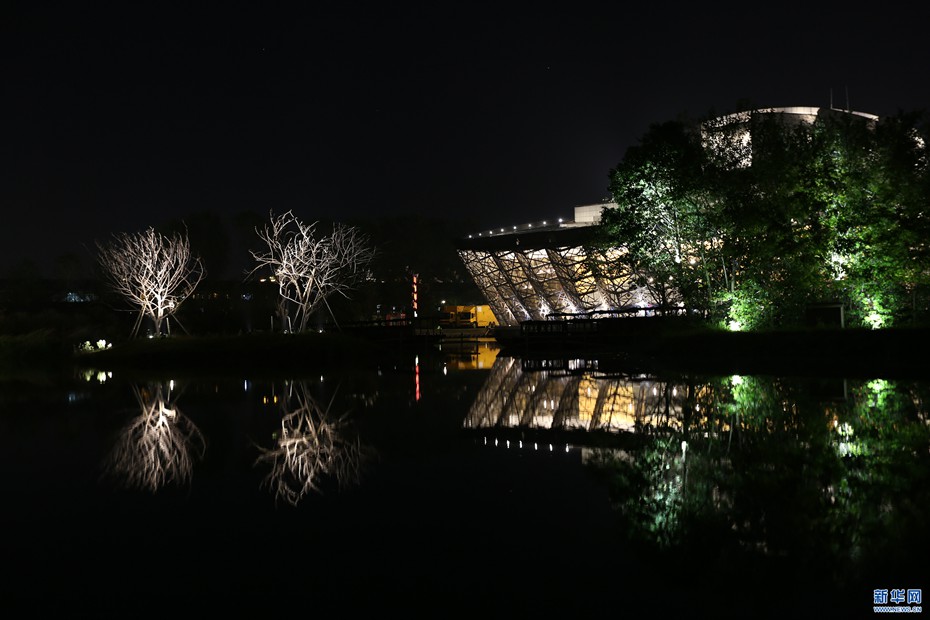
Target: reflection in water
x,y
157,447
471,354
832,476
784,470
573,396
101,376
311,445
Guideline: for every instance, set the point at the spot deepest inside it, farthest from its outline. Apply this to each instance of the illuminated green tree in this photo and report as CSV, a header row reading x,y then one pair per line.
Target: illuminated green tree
x,y
778,233
760,215
665,216
883,227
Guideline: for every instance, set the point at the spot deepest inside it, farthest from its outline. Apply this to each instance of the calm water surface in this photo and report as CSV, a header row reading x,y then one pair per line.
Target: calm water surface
x,y
463,480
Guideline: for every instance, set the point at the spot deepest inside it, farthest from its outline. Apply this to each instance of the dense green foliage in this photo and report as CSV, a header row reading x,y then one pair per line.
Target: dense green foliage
x,y
753,231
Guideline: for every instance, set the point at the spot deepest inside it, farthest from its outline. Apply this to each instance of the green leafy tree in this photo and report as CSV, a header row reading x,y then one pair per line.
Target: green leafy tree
x,y
882,232
665,217
776,210
761,214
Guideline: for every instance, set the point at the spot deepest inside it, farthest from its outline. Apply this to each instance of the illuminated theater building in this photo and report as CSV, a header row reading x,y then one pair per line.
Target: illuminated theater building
x,y
537,270
534,270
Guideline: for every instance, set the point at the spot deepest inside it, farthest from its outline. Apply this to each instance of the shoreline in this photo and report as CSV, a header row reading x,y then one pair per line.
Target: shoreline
x,y
828,352
888,353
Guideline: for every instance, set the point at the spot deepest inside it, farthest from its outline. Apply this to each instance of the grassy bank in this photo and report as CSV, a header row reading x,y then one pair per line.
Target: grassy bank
x,y
896,352
39,347
255,353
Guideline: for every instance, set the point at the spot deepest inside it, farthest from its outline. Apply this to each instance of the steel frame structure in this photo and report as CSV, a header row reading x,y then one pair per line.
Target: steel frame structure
x,y
530,276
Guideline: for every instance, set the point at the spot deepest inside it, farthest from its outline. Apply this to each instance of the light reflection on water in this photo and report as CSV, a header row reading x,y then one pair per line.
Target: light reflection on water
x,y
842,424
439,459
817,476
313,442
157,447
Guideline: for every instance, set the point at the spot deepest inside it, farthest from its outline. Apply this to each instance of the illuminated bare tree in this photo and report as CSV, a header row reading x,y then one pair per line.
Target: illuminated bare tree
x,y
153,272
311,446
158,446
309,267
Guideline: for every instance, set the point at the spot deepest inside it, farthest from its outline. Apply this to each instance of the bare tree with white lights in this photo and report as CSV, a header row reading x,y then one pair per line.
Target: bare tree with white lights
x,y
158,446
153,272
312,445
309,267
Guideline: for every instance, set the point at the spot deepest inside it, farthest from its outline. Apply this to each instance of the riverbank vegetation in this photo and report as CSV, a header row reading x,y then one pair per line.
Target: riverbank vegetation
x,y
256,353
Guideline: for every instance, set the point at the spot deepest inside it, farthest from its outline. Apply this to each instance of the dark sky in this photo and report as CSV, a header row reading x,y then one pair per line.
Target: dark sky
x,y
122,117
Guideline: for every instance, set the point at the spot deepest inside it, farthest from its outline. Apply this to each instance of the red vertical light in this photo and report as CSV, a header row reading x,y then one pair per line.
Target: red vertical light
x,y
414,295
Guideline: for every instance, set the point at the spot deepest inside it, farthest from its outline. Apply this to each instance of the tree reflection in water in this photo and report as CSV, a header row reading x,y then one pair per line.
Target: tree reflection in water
x,y
312,445
158,446
762,467
816,479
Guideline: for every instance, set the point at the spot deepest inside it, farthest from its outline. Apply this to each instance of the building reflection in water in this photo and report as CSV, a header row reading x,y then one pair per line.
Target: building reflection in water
x,y
311,445
157,447
472,354
573,395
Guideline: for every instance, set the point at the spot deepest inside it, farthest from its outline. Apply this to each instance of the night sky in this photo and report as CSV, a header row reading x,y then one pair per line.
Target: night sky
x,y
124,116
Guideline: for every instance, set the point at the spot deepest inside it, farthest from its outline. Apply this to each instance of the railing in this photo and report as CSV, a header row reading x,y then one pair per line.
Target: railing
x,y
620,321
629,311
